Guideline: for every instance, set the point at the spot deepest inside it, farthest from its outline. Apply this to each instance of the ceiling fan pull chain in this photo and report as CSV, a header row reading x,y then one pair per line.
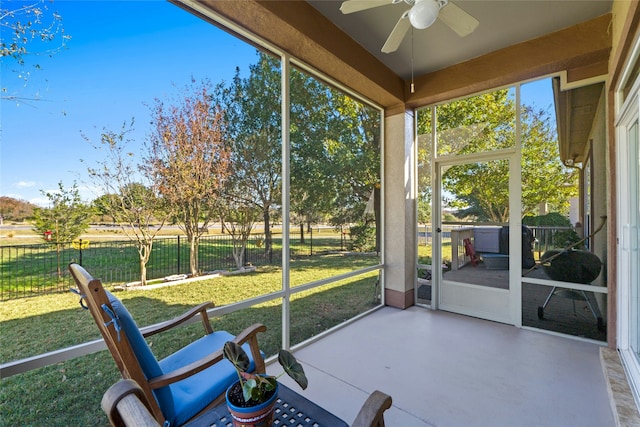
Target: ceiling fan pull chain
x,y
413,88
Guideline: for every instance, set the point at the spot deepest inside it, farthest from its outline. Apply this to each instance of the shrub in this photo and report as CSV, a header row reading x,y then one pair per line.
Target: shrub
x,y
363,238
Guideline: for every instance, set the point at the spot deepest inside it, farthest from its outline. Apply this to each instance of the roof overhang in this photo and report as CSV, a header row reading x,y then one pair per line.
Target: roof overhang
x,y
297,28
575,113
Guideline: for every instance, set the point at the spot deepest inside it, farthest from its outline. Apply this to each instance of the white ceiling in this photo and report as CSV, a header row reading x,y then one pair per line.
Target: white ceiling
x,y
502,23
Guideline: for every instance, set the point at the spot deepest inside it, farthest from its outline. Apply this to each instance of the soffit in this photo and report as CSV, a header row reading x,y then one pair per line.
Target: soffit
x,y
575,112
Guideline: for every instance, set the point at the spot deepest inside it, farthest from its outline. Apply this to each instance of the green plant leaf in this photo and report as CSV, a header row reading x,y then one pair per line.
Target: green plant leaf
x,y
236,355
249,390
293,368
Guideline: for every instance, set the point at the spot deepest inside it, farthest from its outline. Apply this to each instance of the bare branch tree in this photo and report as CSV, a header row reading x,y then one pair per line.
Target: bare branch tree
x,y
134,201
189,161
28,29
238,219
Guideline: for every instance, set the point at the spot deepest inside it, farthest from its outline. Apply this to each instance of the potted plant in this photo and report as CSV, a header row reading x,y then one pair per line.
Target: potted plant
x,y
251,399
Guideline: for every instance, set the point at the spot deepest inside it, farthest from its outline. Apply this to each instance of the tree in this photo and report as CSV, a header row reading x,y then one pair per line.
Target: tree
x,y
545,179
239,218
15,210
335,146
312,173
485,123
103,204
354,150
251,109
134,200
188,160
24,25
335,153
66,219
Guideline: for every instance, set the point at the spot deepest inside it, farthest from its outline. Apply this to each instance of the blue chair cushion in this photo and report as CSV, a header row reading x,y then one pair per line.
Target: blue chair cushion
x,y
182,400
193,394
145,356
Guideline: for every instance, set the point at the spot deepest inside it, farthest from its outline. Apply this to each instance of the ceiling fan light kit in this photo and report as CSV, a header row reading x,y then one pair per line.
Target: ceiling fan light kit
x,y
424,13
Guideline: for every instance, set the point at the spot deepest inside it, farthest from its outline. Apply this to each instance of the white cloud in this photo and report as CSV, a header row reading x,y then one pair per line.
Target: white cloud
x,y
43,202
24,184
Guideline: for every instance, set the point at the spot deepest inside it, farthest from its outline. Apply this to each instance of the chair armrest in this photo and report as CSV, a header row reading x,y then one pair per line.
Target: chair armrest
x,y
165,326
126,405
372,412
248,335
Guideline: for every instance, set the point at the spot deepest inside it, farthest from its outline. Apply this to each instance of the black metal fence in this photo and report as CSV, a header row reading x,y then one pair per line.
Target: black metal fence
x,y
28,270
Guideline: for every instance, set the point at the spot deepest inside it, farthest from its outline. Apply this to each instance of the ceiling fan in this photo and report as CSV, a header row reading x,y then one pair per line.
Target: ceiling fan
x,y
423,14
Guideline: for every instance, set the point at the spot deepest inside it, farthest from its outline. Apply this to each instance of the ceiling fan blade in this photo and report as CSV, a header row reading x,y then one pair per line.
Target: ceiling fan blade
x,y
459,20
397,34
351,6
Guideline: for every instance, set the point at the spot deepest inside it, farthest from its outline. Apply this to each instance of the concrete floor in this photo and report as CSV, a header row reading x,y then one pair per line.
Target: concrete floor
x,y
447,370
565,315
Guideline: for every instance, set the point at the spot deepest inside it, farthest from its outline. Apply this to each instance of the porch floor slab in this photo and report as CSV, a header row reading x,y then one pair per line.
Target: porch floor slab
x,y
448,370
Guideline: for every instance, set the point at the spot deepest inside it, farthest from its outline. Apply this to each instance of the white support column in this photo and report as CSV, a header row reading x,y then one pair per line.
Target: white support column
x,y
285,67
400,210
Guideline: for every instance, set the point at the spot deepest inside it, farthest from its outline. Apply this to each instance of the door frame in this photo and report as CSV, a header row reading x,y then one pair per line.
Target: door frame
x,y
499,305
627,314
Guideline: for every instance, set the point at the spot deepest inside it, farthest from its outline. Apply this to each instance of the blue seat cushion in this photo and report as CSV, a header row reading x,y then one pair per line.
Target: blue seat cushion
x,y
193,394
146,358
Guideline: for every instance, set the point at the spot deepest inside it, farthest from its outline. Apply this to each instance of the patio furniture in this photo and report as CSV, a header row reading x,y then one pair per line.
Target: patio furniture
x,y
182,385
492,244
470,251
574,266
372,412
126,405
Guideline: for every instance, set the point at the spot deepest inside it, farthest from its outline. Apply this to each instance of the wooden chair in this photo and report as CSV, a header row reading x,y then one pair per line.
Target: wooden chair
x,y
126,406
182,385
372,412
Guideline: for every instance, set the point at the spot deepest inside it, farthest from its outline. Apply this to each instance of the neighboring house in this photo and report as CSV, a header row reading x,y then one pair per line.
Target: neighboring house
x,y
594,64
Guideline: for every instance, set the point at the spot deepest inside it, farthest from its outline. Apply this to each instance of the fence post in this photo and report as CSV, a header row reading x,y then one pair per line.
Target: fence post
x,y
178,254
311,239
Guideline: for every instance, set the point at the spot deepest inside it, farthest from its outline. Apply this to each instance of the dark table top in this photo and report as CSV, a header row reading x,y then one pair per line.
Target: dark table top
x,y
291,409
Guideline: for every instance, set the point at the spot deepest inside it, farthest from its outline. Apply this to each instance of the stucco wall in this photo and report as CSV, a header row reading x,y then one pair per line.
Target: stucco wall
x,y
399,217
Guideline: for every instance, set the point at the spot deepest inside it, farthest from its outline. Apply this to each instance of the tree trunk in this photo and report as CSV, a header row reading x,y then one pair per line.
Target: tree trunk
x,y
238,253
267,232
193,255
143,273
144,250
302,233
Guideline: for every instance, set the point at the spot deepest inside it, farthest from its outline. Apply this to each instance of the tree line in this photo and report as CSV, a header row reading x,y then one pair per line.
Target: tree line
x,y
215,155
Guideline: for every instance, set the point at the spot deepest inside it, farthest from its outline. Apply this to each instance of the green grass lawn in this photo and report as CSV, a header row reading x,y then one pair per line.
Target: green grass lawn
x,y
69,393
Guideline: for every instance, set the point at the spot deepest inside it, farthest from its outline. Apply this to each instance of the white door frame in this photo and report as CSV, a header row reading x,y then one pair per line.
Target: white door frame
x,y
628,235
500,305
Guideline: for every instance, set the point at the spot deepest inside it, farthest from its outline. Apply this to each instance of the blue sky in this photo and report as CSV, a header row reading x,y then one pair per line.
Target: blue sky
x,y
122,55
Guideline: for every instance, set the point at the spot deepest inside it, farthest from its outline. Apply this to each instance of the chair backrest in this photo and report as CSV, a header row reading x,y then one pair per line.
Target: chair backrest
x,y
130,351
